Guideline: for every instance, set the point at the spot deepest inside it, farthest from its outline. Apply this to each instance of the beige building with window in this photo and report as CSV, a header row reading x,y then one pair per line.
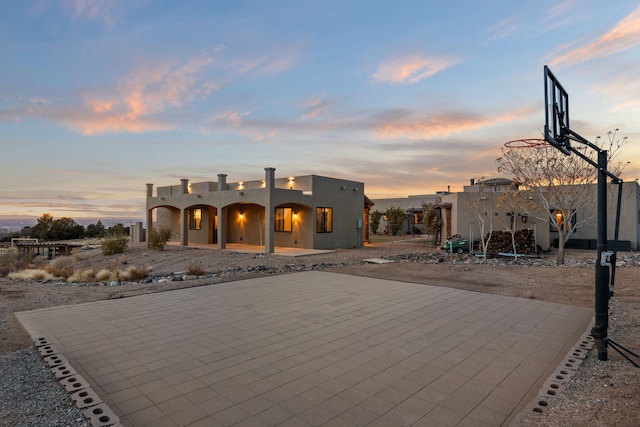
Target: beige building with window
x,y
310,212
412,205
464,213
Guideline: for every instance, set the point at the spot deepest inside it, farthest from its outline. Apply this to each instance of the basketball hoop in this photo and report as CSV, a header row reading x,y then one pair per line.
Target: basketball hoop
x,y
526,143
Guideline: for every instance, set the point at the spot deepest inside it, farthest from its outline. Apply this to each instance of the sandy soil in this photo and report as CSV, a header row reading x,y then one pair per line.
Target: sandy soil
x,y
605,392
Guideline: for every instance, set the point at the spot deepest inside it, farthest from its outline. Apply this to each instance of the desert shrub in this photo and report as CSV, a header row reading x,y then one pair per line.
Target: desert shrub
x,y
60,267
196,269
115,244
81,276
136,273
31,274
103,274
11,262
121,275
39,262
159,237
6,266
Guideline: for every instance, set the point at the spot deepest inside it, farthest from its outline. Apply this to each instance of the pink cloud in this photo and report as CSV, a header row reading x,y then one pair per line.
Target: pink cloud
x,y
411,69
99,10
316,107
625,35
276,60
429,126
138,98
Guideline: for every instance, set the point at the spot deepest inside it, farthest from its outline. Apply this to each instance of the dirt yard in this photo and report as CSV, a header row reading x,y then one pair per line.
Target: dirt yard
x,y
605,393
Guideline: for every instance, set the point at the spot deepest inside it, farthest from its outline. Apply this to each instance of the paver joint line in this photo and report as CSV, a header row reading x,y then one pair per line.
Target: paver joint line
x,y
316,345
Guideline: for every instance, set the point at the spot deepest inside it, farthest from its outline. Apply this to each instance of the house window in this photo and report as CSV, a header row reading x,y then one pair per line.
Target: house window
x,y
324,220
416,216
195,219
283,219
564,219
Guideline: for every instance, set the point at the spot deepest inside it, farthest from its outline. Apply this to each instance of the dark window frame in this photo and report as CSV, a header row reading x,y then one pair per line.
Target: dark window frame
x,y
324,219
195,222
281,224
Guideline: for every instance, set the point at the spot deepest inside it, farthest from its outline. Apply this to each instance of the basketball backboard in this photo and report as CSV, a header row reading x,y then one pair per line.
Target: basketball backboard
x,y
556,101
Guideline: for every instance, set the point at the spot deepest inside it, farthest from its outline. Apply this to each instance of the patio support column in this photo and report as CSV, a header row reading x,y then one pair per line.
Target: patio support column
x,y
222,215
149,211
222,228
269,246
184,227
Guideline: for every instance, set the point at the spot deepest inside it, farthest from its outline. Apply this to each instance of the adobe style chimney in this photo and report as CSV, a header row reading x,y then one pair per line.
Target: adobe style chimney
x,y
269,178
222,181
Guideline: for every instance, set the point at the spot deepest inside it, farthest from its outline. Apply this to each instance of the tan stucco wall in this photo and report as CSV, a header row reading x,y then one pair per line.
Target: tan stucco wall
x,y
416,202
465,220
303,194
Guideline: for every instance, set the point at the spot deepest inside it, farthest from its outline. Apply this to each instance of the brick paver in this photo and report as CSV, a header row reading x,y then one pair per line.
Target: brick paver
x,y
313,348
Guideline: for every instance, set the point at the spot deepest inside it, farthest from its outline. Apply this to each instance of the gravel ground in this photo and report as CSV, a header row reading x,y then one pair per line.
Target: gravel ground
x,y
607,393
599,393
30,396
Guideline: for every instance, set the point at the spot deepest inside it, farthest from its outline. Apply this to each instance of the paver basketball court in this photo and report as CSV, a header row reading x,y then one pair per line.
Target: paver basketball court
x,y
313,348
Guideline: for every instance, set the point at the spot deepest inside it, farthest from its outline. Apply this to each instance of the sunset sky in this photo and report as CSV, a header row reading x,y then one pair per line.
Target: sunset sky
x,y
98,98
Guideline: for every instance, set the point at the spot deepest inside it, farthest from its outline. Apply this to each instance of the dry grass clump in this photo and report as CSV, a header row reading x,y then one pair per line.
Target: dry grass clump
x,y
132,273
136,273
81,276
11,262
104,274
63,268
31,274
60,267
196,269
39,262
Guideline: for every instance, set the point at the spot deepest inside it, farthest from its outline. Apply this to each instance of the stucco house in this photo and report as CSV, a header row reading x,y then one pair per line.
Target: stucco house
x,y
311,212
412,205
463,214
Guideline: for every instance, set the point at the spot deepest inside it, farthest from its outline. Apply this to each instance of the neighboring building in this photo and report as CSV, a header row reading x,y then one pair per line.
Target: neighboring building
x,y
460,214
412,205
311,212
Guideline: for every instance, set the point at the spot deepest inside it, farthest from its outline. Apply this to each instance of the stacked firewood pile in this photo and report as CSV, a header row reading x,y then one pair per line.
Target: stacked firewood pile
x,y
501,242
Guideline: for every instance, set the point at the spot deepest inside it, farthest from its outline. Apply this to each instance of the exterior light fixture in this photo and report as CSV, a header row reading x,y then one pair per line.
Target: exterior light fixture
x,y
241,216
240,193
295,216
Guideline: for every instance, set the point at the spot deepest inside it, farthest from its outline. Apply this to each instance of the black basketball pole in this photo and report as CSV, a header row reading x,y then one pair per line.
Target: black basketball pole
x,y
558,133
599,330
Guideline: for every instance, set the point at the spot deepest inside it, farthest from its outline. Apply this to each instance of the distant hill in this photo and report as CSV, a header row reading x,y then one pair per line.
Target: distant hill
x,y
13,223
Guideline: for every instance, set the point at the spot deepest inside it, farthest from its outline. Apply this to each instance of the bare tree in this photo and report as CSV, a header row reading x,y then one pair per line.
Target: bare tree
x,y
432,220
260,220
557,185
484,209
511,202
